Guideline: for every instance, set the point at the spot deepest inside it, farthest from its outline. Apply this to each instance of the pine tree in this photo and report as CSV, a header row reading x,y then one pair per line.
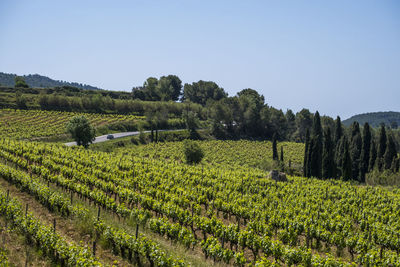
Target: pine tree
x,y
390,152
338,130
355,150
282,153
381,145
372,156
365,151
306,148
274,148
328,163
316,149
346,163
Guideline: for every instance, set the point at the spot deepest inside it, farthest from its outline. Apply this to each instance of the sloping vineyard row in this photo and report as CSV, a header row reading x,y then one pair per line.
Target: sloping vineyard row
x,y
44,237
133,245
284,211
25,124
229,154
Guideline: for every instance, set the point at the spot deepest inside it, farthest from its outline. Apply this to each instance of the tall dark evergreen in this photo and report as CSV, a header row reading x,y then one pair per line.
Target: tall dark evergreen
x,y
305,162
396,164
390,152
339,157
274,148
382,142
310,148
282,153
316,149
355,151
346,162
328,162
372,156
338,130
365,151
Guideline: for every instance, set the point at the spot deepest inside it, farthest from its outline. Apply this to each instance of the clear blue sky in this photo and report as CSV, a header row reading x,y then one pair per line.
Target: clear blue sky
x,y
338,57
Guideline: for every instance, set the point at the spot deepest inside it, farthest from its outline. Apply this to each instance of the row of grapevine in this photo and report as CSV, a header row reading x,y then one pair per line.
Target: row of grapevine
x,y
329,213
26,124
116,237
44,237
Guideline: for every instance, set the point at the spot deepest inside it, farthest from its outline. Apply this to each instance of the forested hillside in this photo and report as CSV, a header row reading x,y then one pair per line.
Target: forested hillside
x,y
375,119
36,80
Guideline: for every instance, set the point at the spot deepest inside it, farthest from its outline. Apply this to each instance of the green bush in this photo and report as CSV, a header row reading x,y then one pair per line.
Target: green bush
x,y
385,178
193,152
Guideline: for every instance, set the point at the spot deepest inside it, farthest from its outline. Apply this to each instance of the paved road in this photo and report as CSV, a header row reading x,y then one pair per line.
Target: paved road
x,y
103,138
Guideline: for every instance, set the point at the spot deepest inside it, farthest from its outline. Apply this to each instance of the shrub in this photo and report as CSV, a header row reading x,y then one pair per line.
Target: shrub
x,y
193,152
385,178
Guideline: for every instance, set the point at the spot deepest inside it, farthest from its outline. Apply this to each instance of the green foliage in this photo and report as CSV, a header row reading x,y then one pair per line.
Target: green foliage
x,y
365,151
165,89
328,162
274,149
193,152
21,101
316,146
81,130
346,162
390,153
355,150
338,130
202,91
382,142
384,178
20,82
372,156
306,153
192,123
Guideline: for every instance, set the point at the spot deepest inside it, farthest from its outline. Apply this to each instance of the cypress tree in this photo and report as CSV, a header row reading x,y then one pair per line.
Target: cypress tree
x,y
310,148
381,145
339,157
316,149
390,152
372,156
396,164
365,151
305,161
328,162
274,148
355,150
346,163
282,153
338,130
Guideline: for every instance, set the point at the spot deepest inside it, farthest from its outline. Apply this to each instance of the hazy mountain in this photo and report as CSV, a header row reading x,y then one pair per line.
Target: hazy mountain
x,y
389,118
36,80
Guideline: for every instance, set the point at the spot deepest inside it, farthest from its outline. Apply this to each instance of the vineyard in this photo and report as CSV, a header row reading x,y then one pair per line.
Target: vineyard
x,y
143,206
227,154
28,124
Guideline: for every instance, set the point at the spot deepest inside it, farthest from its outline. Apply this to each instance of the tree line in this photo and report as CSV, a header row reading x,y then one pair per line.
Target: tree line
x,y
244,115
350,155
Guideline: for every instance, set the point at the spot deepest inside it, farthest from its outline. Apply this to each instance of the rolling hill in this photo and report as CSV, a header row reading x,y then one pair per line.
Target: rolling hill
x,y
389,118
36,80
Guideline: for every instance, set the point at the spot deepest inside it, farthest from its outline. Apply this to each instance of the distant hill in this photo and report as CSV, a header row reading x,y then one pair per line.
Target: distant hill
x,y
389,118
36,80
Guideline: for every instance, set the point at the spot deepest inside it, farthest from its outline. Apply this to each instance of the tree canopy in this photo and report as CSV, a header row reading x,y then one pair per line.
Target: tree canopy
x,y
81,130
